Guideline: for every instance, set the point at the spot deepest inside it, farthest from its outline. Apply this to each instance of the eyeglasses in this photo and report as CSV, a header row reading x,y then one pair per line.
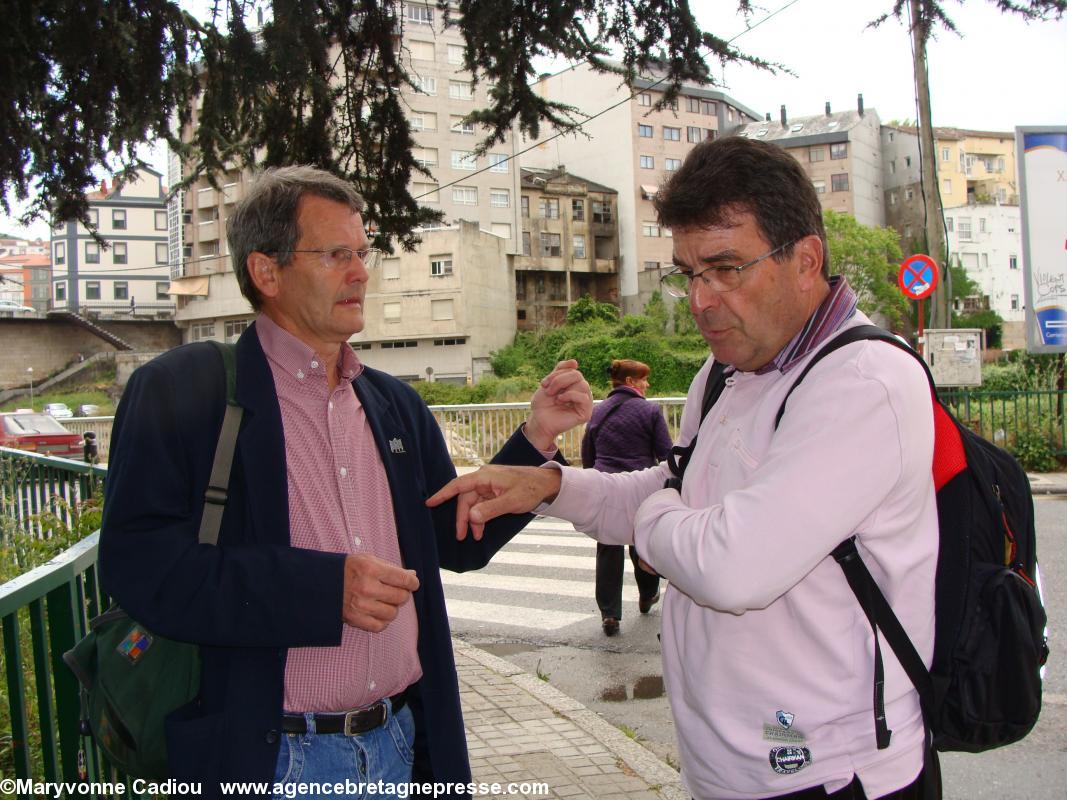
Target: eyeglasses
x,y
679,283
339,258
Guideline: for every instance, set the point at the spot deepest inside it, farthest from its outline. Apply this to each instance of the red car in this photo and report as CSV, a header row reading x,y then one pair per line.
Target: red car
x,y
39,433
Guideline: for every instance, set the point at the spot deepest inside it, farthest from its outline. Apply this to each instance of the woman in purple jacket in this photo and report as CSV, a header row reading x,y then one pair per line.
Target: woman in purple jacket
x,y
626,432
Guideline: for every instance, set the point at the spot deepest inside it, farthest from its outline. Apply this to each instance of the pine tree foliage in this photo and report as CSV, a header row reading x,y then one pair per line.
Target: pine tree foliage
x,y
319,82
932,12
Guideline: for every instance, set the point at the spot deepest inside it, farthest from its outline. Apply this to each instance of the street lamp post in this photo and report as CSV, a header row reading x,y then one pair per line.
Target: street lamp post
x,y
29,370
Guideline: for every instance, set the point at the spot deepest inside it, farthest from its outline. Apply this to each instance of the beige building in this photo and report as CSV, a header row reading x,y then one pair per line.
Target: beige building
x,y
973,167
127,276
841,152
570,246
632,148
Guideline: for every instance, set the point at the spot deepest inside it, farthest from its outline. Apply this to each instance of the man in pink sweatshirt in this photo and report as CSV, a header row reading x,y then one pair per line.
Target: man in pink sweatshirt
x,y
768,658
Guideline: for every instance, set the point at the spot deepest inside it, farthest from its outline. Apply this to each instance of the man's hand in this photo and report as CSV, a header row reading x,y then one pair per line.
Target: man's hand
x,y
496,490
374,591
562,401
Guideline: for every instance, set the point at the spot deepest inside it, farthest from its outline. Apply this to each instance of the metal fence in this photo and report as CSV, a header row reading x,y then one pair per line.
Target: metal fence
x,y
37,492
1007,418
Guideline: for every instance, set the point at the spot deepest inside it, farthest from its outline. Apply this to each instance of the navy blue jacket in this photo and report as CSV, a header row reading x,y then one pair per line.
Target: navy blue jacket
x,y
254,596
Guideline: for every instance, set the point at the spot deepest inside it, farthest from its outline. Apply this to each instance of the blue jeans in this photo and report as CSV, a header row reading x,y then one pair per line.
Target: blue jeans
x,y
384,754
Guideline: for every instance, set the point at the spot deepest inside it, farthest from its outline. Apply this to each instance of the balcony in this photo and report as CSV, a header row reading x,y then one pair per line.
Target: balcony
x,y
208,231
207,198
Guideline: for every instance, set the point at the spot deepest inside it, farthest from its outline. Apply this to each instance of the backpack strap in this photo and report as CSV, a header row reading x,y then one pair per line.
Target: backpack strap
x,y
218,484
868,594
678,458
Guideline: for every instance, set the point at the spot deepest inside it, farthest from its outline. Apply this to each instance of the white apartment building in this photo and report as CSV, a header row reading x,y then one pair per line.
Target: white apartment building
x,y
632,148
128,276
986,239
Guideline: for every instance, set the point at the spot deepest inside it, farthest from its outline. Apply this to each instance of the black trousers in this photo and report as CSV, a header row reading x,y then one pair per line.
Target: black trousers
x,y
609,565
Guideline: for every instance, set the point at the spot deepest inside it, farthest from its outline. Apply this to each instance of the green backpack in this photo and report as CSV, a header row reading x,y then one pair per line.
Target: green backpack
x,y
132,679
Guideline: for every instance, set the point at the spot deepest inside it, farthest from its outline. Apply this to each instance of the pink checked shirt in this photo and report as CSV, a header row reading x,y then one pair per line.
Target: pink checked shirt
x,y
339,502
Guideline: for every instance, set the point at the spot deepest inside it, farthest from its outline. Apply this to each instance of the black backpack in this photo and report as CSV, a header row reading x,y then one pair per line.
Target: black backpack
x,y
983,689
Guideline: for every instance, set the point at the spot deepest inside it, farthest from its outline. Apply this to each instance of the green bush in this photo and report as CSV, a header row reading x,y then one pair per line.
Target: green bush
x,y
1032,448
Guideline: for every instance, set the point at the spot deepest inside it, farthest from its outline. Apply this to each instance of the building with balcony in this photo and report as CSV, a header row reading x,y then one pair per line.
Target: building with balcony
x,y
841,152
973,167
632,147
127,275
570,246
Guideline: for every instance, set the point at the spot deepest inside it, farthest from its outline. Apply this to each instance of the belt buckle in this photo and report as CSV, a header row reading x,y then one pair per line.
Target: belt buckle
x,y
353,717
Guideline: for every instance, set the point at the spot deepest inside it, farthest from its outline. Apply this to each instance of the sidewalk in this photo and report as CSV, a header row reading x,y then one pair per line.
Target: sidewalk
x,y
1048,482
521,730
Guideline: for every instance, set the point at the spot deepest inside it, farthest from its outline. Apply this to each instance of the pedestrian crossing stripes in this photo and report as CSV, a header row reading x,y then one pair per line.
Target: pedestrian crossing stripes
x,y
544,580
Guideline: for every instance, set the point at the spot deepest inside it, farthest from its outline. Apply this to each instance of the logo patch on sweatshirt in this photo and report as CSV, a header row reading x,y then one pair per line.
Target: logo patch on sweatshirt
x,y
787,760
783,731
785,719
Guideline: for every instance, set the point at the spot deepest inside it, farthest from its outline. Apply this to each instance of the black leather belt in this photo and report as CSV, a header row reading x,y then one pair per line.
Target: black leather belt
x,y
351,724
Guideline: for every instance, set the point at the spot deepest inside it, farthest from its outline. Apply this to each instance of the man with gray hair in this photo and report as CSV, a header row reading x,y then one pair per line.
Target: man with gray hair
x,y
326,653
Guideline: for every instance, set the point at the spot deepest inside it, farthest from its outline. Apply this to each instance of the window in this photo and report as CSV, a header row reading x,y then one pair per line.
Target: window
x,y
890,136
501,229
548,207
424,84
499,198
650,229
672,164
602,213
672,134
400,345
121,290
816,154
61,292
92,253
441,309
981,224
644,99
578,246
465,195
235,327
61,253
423,51
419,15
1002,197
460,90
839,150
949,224
162,290
945,154
524,203
425,156
578,210
1013,262
550,245
455,54
648,162
909,194
423,121
694,134
526,243
464,159
1000,164
440,266
697,106
459,126
118,219
390,269
965,229
820,187
94,217
1015,302
92,290
390,313
451,341
907,161
985,260
892,198
839,182
893,167
118,253
199,331
498,162
426,192
644,131
649,265
161,220
947,184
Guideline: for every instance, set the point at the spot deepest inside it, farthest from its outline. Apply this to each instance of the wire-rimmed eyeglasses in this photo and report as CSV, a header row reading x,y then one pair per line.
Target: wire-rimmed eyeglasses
x,y
679,282
338,258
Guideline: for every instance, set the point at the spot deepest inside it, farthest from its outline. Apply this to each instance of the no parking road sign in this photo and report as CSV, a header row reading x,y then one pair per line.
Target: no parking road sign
x,y
918,276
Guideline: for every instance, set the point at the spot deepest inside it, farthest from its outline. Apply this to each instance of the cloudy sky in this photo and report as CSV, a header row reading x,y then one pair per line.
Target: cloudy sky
x,y
998,72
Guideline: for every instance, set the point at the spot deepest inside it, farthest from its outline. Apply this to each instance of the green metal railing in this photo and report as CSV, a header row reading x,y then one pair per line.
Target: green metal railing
x,y
1002,417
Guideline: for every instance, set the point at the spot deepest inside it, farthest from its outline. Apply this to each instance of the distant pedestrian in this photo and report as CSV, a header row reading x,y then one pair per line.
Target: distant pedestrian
x,y
625,433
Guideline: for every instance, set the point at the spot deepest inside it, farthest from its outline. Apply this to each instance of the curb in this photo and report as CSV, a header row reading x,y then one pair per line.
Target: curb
x,y
1041,484
658,775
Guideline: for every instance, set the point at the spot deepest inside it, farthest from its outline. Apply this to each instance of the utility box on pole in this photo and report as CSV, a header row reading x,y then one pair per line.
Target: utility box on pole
x,y
955,355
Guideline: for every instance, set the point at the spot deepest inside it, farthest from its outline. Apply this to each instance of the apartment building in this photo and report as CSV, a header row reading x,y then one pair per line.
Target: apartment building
x,y
841,152
632,147
127,275
973,167
986,240
26,272
570,246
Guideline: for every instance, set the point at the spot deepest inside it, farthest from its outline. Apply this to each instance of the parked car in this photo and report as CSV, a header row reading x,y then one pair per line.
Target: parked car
x,y
58,410
39,433
13,307
87,410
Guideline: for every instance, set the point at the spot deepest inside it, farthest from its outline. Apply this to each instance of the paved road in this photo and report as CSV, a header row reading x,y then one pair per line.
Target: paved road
x,y
534,606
